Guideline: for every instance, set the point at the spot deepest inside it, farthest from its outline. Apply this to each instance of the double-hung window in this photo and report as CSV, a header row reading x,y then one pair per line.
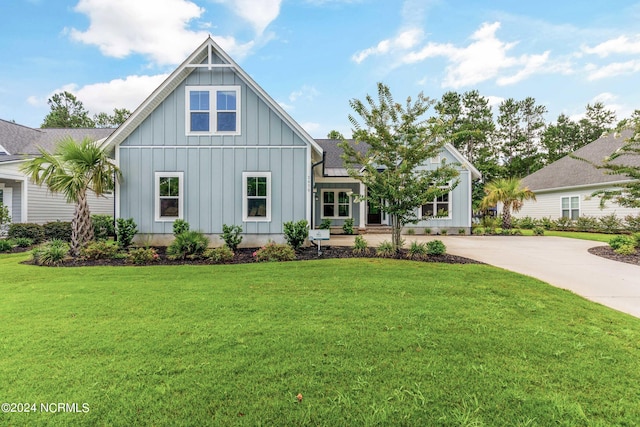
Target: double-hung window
x,y
169,194
571,207
336,204
213,110
439,208
256,196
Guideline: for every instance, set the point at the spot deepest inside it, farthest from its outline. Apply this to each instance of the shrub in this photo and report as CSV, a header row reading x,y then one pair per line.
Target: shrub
x,y
462,231
347,227
427,230
5,216
360,245
547,223
219,255
296,233
273,251
190,244
50,253
564,223
325,224
436,247
57,230
34,232
231,236
180,226
140,256
23,242
6,245
478,231
411,231
527,223
619,241
103,227
636,237
538,231
610,223
126,229
586,223
633,223
101,249
626,250
417,250
515,232
385,249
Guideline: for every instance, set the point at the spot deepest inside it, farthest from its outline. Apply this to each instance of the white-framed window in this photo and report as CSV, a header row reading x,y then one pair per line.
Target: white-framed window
x,y
169,196
439,208
570,207
336,203
256,196
212,110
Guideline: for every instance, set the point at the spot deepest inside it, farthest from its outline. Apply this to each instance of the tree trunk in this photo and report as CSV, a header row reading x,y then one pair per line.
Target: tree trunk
x,y
506,217
396,228
81,226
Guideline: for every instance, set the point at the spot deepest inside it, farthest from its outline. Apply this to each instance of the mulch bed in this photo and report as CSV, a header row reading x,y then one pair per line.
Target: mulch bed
x,y
607,252
245,256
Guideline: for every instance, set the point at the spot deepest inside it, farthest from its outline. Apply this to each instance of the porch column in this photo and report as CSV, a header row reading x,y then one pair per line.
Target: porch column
x,y
363,208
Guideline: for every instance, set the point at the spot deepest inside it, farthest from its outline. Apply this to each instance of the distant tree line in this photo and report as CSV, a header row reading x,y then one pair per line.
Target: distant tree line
x,y
66,111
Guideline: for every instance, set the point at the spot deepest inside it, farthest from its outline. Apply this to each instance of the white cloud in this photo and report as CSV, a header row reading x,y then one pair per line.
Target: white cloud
x,y
405,40
310,127
307,93
156,28
620,45
259,13
104,97
612,70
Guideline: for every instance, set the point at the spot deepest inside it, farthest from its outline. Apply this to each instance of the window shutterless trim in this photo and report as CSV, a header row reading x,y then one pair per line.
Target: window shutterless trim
x,y
213,109
157,198
335,203
245,197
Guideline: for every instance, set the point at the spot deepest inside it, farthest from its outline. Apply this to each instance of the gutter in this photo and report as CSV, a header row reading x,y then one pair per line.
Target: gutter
x,y
313,199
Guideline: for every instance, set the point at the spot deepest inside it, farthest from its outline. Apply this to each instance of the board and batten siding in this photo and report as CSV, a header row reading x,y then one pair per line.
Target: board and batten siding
x,y
549,205
213,185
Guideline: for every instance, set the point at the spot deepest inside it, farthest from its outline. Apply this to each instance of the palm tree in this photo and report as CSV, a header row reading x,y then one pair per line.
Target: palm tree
x,y
73,169
510,193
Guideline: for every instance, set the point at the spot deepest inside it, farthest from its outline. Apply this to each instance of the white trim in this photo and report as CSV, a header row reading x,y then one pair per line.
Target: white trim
x,y
363,206
585,186
210,147
475,173
336,204
213,109
309,201
156,195
116,207
7,199
3,151
436,159
434,204
245,205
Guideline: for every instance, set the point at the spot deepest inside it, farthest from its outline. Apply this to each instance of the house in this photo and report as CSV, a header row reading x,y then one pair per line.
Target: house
x,y
28,202
564,188
336,194
211,147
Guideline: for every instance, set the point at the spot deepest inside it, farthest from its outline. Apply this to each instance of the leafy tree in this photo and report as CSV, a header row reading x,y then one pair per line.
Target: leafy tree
x,y
561,138
510,193
399,142
104,120
334,134
628,194
597,121
66,112
74,169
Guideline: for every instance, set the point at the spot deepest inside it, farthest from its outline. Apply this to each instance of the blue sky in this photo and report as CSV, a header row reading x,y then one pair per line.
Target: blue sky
x,y
313,56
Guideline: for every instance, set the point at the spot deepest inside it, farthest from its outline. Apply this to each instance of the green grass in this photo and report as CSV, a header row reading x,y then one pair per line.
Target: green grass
x,y
596,237
366,342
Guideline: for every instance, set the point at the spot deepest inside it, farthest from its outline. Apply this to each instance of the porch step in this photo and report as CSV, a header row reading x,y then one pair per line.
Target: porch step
x,y
377,229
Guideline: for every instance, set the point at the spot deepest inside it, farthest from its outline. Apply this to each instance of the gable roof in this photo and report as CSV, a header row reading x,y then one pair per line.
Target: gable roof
x,y
22,142
204,51
570,172
334,165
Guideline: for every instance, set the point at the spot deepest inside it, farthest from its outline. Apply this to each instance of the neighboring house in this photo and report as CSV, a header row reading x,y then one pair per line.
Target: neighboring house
x,y
210,146
564,188
336,194
28,202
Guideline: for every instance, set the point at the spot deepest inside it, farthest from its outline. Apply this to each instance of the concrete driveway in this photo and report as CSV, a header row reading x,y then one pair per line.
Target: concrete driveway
x,y
562,262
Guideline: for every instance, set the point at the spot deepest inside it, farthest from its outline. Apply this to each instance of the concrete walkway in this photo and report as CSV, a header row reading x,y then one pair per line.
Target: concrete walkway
x,y
562,262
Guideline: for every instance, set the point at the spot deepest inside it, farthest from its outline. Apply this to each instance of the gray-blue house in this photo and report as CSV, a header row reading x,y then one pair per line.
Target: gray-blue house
x,y
210,146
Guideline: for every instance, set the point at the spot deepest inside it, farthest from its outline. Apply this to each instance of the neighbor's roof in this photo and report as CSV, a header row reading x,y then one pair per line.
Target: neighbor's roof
x,y
22,141
570,172
334,165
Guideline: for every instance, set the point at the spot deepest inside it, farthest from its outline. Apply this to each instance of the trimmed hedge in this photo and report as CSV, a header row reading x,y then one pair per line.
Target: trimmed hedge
x,y
35,232
59,230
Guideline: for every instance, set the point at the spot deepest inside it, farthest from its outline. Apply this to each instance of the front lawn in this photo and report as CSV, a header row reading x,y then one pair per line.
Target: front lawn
x,y
364,341
596,237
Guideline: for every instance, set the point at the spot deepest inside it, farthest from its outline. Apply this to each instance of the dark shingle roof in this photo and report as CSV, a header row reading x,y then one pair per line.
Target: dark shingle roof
x,y
571,172
22,141
333,163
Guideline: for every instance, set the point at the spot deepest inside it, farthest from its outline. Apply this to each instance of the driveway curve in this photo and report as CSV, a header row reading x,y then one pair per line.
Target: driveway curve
x,y
561,262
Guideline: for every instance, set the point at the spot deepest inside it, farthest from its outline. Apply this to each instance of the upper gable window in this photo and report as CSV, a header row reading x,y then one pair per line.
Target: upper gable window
x,y
213,110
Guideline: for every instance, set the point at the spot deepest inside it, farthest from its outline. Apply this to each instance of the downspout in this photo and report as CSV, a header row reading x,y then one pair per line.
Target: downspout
x,y
313,198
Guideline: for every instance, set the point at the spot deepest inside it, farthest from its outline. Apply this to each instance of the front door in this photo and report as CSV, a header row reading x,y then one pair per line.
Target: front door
x,y
374,214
